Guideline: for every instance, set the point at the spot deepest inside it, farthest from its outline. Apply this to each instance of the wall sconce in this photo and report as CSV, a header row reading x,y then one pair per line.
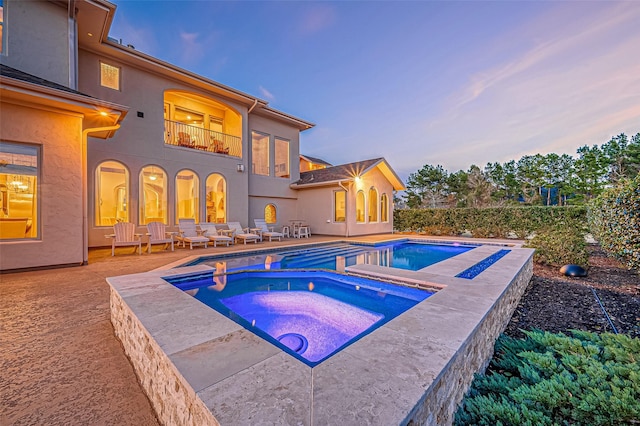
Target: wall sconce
x,y
240,168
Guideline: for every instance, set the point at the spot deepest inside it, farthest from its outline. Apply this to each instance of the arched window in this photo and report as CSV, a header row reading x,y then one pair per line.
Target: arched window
x,y
216,198
384,208
153,195
360,207
111,193
373,205
270,214
187,195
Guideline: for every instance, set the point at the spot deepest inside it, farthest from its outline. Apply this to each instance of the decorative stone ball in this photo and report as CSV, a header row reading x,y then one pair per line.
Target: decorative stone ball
x,y
573,271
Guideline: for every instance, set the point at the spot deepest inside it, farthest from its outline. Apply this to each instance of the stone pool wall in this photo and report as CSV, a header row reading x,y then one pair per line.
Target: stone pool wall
x,y
441,400
436,347
174,400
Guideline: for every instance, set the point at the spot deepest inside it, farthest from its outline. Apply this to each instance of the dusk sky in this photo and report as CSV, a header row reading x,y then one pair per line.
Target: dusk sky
x,y
433,82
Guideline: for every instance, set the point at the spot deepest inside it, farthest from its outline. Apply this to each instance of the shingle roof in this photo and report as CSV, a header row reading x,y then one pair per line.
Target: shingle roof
x,y
336,173
316,160
6,71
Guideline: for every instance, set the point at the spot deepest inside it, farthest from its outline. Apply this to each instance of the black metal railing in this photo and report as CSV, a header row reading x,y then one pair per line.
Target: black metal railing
x,y
185,135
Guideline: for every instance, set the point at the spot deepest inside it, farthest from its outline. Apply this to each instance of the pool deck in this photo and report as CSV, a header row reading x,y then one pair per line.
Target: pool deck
x,y
213,370
60,360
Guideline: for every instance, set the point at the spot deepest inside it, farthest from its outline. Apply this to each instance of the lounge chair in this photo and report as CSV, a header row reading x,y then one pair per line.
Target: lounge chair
x,y
157,232
210,231
124,234
188,233
240,234
265,231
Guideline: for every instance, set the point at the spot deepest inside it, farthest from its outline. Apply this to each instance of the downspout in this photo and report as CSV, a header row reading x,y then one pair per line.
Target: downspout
x,y
255,102
85,197
346,218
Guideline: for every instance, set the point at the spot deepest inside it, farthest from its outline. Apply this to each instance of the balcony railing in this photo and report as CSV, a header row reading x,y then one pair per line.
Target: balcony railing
x,y
180,134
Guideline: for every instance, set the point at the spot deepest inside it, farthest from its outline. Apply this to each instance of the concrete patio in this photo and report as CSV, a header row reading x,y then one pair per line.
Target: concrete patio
x,y
60,360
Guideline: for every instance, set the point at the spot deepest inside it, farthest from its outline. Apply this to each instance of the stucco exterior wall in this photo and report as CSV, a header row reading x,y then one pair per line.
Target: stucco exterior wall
x,y
140,142
40,28
315,206
59,136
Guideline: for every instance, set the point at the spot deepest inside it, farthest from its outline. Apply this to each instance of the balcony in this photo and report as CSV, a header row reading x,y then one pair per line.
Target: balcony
x,y
194,137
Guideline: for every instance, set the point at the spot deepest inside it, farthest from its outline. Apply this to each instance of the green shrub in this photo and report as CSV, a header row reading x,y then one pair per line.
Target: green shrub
x,y
498,222
560,246
553,379
614,219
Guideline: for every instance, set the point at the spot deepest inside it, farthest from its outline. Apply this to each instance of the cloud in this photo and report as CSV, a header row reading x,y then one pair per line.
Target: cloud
x,y
316,19
266,94
590,29
192,50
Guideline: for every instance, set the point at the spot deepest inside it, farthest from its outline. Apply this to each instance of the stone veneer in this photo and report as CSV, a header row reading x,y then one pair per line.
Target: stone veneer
x,y
199,368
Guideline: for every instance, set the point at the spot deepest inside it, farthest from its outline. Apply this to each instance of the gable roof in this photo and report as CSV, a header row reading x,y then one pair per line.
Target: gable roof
x,y
315,160
347,173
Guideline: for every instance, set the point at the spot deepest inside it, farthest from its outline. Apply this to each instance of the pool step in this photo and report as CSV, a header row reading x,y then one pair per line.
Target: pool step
x,y
320,258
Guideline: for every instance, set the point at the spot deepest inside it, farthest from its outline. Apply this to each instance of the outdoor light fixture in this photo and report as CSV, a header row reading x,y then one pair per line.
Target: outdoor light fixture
x,y
240,168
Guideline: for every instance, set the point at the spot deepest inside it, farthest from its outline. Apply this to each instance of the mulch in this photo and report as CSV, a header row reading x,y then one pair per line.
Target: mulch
x,y
557,303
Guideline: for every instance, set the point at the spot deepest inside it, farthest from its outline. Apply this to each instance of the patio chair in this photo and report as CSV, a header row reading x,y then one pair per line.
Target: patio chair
x,y
240,234
265,231
188,233
124,234
210,231
184,139
157,233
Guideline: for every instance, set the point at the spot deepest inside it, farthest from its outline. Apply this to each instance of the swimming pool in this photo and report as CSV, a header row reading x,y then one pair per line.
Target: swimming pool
x,y
310,315
409,255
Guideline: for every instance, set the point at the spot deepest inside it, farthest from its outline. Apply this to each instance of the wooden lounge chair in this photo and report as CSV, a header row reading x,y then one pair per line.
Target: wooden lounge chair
x,y
241,234
124,235
210,231
188,233
265,231
158,235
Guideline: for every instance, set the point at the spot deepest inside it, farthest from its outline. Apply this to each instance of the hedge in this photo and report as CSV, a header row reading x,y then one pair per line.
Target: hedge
x,y
614,219
497,222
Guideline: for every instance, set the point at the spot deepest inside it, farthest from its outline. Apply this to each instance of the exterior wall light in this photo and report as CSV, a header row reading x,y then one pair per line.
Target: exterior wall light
x,y
240,168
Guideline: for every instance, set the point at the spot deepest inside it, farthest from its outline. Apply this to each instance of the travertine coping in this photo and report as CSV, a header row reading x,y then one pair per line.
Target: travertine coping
x,y
199,367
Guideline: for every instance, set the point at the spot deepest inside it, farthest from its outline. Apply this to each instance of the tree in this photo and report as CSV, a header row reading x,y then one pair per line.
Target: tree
x,y
427,187
529,174
591,170
623,157
480,189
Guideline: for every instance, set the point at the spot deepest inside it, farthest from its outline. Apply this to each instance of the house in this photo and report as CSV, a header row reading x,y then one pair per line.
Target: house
x,y
94,132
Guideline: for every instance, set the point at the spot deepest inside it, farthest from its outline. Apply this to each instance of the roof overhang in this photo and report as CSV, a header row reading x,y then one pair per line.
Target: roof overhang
x,y
94,19
95,112
381,165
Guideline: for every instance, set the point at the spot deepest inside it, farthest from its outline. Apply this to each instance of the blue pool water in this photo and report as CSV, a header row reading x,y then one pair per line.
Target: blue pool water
x,y
408,255
310,315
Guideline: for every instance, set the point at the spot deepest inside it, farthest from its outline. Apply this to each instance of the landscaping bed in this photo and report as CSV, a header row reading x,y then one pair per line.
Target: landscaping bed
x,y
556,303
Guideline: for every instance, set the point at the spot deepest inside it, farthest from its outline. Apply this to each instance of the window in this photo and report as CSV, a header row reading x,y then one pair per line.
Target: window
x,y
260,154
270,214
109,76
216,199
373,205
339,206
187,199
360,207
112,193
282,158
19,194
2,28
384,208
153,195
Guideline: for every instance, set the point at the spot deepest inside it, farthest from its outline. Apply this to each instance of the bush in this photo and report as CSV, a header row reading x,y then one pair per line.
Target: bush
x,y
548,379
614,219
497,222
560,246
